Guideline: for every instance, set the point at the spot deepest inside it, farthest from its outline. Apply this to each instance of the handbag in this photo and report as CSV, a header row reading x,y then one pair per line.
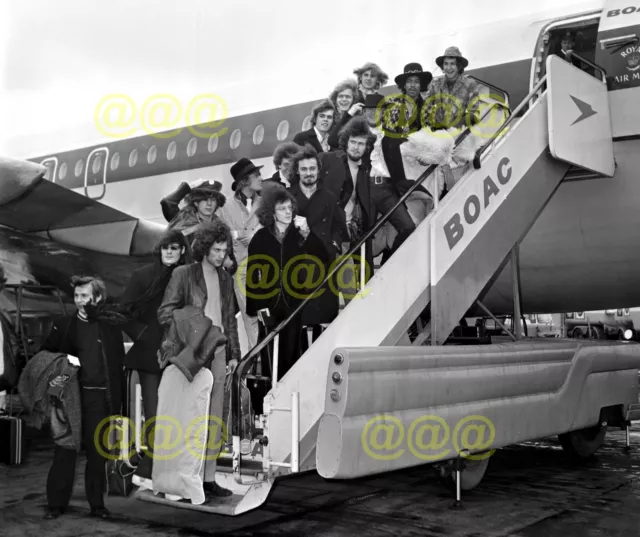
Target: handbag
x,y
119,478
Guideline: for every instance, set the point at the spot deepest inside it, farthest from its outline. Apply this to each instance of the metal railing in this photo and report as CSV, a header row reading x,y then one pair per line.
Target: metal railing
x,y
247,361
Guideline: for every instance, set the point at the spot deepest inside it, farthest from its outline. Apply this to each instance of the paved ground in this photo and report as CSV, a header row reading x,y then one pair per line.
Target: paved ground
x,y
530,490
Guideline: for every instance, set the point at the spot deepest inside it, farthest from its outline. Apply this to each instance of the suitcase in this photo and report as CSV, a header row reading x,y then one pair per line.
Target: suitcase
x,y
11,440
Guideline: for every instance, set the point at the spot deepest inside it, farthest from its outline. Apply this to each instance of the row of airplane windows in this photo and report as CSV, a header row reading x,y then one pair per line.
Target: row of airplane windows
x,y
152,153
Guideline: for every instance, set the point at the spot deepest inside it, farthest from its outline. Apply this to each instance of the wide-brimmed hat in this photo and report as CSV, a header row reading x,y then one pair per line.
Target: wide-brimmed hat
x,y
452,52
414,69
208,188
241,169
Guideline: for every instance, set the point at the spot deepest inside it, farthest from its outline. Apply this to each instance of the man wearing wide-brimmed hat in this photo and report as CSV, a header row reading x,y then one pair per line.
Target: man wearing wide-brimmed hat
x,y
452,103
202,199
411,82
370,79
240,215
449,98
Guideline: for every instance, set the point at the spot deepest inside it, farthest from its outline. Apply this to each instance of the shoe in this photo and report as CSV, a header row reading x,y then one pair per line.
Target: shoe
x,y
52,514
100,512
213,489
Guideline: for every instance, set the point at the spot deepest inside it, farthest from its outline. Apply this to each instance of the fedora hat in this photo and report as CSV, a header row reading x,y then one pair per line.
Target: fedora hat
x,y
241,169
207,188
414,69
452,52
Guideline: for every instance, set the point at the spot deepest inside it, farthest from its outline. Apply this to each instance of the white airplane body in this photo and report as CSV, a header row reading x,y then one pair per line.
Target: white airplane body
x,y
581,254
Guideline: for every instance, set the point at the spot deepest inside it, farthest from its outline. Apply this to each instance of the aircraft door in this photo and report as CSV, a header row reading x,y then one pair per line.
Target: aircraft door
x,y
618,53
95,173
51,164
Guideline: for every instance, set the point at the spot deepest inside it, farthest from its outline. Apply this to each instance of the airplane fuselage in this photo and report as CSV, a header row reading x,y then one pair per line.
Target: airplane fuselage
x,y
579,255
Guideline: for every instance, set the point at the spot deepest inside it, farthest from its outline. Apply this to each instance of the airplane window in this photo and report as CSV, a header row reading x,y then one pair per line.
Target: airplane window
x,y
192,146
258,135
79,168
171,150
306,124
115,161
283,130
151,154
234,141
133,158
97,164
63,171
213,144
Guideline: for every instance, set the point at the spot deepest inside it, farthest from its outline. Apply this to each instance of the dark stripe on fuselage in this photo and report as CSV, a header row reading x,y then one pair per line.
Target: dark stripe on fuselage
x,y
512,77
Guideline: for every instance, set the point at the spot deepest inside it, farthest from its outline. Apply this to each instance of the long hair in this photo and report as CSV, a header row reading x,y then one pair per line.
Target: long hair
x,y
209,234
283,151
267,209
307,152
348,84
357,126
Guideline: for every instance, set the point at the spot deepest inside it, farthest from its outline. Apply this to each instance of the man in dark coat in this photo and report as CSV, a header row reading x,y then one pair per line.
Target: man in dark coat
x,y
326,220
322,117
205,285
142,297
275,280
94,338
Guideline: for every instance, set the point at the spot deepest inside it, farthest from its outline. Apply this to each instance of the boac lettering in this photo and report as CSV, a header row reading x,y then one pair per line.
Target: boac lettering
x,y
504,177
625,11
453,229
490,188
472,200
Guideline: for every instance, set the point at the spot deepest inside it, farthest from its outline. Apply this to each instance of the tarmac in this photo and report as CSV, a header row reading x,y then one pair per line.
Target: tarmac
x,y
529,490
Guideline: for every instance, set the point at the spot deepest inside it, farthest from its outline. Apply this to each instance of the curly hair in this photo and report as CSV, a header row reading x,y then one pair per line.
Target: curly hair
x,y
283,151
267,209
322,106
348,84
382,76
209,234
98,288
307,152
357,126
171,236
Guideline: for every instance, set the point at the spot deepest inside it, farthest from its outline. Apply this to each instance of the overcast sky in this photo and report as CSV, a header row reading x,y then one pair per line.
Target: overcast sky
x,y
59,58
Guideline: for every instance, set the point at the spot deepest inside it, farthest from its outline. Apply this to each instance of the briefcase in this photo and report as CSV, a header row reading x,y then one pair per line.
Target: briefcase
x,y
11,440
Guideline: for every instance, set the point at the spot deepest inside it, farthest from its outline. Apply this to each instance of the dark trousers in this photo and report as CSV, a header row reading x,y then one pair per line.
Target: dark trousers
x,y
149,385
383,198
288,342
63,469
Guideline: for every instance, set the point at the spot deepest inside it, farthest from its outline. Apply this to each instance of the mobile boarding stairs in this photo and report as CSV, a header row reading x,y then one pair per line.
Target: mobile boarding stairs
x,y
364,399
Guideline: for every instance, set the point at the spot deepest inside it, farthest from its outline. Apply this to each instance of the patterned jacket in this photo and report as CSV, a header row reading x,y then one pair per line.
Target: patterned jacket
x,y
451,108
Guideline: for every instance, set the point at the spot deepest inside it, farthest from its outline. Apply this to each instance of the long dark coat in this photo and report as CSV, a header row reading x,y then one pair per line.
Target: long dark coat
x,y
326,220
63,338
268,284
143,354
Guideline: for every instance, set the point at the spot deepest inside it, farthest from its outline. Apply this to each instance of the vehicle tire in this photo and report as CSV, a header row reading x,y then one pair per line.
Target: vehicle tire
x,y
583,443
470,477
578,333
597,333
